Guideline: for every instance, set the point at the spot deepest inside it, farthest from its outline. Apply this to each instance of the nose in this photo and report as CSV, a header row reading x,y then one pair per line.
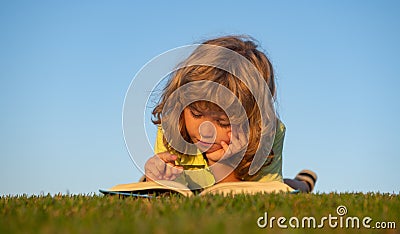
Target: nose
x,y
207,130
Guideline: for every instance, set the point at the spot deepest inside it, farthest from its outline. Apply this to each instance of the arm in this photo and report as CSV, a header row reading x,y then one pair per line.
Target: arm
x,y
162,165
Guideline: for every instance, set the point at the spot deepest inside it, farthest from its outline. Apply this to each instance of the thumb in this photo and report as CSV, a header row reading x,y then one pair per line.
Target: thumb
x,y
167,157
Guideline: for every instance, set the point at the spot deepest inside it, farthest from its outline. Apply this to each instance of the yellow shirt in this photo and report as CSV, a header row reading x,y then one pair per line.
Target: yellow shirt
x,y
197,174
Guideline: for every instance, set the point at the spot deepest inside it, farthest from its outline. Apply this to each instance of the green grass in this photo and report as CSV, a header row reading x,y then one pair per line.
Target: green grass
x,y
177,214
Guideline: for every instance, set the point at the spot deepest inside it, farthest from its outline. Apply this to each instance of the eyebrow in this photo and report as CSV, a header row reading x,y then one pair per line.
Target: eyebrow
x,y
220,115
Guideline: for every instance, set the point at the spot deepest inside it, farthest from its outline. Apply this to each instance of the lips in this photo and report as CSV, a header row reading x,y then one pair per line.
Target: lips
x,y
205,143
204,146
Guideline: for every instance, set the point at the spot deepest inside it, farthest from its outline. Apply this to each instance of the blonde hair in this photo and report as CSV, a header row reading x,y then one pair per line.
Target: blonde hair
x,y
246,47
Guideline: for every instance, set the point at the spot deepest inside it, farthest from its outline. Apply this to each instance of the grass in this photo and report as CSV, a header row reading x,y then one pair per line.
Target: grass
x,y
177,214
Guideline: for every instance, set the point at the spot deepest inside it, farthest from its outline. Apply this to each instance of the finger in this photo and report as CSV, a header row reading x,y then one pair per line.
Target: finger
x,y
168,172
159,166
171,172
167,157
227,148
176,172
151,168
150,176
174,176
224,146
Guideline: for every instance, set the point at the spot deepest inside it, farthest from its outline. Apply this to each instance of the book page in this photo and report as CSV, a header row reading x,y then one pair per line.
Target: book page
x,y
152,186
247,187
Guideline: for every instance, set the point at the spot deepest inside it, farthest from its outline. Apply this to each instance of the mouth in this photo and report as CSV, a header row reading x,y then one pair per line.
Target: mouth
x,y
204,144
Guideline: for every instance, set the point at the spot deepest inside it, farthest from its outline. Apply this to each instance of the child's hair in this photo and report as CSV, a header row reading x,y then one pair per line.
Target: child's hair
x,y
246,47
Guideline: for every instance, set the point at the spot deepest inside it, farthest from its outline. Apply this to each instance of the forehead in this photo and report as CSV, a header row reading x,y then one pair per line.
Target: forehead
x,y
209,107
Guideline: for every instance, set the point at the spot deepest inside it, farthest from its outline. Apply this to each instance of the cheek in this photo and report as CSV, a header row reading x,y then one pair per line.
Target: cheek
x,y
189,122
192,127
223,135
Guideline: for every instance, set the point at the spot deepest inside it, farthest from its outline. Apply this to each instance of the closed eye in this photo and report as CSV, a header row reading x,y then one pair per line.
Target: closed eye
x,y
223,123
195,114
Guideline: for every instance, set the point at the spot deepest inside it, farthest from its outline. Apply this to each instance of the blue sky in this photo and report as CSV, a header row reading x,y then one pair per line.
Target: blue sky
x,y
65,67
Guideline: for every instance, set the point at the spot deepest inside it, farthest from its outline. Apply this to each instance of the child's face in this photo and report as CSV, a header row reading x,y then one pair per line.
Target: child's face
x,y
207,128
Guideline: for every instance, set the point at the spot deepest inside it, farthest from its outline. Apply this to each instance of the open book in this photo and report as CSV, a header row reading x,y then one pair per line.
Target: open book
x,y
164,187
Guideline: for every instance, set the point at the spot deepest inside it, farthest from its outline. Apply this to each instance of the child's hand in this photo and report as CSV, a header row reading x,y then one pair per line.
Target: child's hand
x,y
238,143
162,167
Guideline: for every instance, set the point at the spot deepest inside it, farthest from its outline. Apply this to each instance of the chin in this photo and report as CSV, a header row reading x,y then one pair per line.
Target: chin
x,y
213,159
207,151
212,150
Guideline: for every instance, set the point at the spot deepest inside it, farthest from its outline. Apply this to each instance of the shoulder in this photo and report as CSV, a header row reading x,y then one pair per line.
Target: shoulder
x,y
159,144
280,126
280,130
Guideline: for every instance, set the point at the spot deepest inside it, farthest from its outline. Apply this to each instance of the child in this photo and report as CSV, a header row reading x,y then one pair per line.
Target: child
x,y
226,143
